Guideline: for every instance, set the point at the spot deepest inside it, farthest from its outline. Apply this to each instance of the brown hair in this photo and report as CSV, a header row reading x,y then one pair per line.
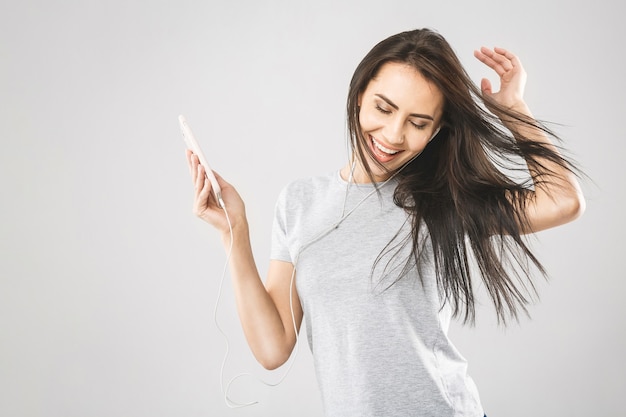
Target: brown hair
x,y
457,187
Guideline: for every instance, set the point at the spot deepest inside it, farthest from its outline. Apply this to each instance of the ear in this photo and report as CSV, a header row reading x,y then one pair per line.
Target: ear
x,y
359,99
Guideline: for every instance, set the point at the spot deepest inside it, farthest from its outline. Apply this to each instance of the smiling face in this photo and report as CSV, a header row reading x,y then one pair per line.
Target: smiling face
x,y
400,111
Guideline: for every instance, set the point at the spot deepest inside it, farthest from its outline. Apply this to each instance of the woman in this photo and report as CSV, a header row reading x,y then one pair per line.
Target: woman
x,y
383,247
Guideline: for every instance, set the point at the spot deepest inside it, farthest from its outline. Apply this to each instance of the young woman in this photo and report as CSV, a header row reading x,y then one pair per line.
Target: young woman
x,y
379,253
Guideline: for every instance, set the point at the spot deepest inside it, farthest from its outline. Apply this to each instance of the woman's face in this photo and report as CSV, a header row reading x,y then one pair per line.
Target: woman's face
x,y
400,111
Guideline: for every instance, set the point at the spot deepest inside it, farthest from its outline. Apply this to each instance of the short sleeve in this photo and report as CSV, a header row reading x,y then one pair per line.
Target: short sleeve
x,y
280,248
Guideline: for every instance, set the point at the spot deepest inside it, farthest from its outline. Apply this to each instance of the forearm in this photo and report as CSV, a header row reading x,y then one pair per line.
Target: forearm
x,y
556,189
262,324
522,131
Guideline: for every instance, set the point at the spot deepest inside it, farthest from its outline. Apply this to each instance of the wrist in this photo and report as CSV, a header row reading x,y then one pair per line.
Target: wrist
x,y
240,232
517,114
520,107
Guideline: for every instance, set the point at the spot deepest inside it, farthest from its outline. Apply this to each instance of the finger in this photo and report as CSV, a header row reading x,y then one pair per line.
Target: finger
x,y
221,181
200,178
499,63
484,56
504,52
188,155
485,86
196,164
203,189
193,168
513,59
501,56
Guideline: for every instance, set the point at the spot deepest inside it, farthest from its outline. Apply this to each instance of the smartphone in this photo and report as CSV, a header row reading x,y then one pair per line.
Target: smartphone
x,y
192,144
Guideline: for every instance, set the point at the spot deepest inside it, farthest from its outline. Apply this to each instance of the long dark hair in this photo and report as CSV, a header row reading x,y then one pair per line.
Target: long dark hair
x,y
460,187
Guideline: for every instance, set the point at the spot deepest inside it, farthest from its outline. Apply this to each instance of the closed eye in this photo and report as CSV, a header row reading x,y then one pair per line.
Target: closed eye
x,y
418,126
384,111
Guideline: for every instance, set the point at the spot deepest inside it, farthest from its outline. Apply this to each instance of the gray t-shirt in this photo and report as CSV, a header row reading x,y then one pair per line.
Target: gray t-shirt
x,y
380,347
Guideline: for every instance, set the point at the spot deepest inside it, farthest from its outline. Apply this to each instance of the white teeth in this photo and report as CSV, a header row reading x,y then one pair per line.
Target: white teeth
x,y
382,148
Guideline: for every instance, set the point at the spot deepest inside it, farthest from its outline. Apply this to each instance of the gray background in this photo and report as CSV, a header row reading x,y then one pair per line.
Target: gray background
x,y
107,280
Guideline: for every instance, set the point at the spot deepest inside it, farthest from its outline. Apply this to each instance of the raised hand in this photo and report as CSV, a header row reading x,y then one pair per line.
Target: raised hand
x,y
511,73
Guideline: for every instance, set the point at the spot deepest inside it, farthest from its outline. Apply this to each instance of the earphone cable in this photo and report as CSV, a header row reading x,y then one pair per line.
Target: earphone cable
x,y
226,389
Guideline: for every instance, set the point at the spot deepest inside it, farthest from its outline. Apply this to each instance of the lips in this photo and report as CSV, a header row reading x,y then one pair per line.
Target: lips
x,y
382,153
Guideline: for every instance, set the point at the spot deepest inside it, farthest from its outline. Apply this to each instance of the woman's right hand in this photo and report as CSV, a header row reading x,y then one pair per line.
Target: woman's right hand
x,y
206,206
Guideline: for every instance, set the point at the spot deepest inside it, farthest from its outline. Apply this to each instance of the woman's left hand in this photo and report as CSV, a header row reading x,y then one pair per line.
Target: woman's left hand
x,y
512,77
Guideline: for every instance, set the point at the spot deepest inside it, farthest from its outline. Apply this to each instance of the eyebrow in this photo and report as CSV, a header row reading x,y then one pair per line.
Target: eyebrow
x,y
395,106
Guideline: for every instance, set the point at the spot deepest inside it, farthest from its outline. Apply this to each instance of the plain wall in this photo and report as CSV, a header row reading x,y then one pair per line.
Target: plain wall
x,y
107,280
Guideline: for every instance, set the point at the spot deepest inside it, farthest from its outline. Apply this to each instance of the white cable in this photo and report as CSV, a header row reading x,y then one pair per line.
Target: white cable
x,y
225,390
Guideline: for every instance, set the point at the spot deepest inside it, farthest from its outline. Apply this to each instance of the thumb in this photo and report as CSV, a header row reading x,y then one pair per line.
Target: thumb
x,y
221,181
485,86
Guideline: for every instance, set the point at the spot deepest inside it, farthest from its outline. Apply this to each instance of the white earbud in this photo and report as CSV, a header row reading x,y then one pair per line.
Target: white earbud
x,y
434,134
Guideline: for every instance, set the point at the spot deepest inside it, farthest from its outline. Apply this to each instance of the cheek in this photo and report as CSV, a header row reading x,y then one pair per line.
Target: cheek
x,y
369,121
418,141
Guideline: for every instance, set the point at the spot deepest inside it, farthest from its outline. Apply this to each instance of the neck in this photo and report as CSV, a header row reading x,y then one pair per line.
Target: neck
x,y
354,172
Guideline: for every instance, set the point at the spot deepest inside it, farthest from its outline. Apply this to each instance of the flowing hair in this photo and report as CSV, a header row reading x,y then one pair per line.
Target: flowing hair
x,y
461,186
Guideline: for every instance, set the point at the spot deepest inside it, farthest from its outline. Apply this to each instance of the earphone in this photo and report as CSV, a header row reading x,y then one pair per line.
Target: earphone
x,y
434,134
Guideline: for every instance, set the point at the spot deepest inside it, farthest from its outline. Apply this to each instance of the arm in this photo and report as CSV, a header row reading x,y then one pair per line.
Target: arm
x,y
264,310
557,197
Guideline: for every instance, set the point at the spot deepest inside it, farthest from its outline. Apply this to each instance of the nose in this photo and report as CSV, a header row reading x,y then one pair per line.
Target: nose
x,y
393,131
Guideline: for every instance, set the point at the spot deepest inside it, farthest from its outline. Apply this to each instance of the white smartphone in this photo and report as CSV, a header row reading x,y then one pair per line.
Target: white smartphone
x,y
192,144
